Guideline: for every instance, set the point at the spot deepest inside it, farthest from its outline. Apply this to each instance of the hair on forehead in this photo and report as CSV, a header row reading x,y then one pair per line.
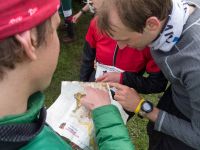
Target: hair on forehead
x,y
103,15
132,13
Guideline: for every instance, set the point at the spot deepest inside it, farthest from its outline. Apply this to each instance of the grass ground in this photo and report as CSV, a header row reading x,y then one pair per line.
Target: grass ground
x,y
68,70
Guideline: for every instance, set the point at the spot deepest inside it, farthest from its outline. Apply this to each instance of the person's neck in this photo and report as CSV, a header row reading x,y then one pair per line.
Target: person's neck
x,y
160,30
191,9
14,94
163,22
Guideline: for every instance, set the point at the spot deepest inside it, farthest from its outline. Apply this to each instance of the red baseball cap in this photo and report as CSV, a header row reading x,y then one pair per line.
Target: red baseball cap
x,y
20,15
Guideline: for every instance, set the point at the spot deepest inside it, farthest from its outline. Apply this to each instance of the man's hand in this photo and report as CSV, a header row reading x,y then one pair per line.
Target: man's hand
x,y
109,77
127,97
95,98
76,17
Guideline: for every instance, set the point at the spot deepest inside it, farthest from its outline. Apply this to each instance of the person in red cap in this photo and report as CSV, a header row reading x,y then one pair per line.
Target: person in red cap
x,y
29,50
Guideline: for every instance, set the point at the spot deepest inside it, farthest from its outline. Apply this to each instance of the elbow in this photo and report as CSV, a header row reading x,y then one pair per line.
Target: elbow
x,y
158,87
162,86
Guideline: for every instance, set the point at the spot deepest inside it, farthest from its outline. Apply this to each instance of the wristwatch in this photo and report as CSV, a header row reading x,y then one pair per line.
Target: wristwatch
x,y
146,107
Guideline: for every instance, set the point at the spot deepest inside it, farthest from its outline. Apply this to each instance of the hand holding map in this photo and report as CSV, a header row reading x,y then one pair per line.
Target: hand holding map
x,y
95,98
69,118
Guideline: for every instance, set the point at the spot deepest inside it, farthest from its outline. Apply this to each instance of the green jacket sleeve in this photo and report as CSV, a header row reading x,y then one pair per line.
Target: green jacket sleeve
x,y
111,133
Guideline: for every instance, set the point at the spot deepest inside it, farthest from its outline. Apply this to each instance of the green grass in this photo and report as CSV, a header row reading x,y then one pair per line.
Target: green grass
x,y
69,59
68,70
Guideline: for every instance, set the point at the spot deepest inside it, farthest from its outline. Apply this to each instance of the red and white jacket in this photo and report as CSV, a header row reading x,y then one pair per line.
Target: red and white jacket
x,y
134,62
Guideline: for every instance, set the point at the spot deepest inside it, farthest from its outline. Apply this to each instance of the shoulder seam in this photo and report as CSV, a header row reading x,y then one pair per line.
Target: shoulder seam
x,y
170,70
196,22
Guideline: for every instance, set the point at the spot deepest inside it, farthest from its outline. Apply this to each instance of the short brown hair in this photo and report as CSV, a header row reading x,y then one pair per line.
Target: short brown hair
x,y
133,13
11,51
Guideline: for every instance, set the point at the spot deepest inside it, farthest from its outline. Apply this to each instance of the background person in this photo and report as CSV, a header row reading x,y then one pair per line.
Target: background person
x,y
66,8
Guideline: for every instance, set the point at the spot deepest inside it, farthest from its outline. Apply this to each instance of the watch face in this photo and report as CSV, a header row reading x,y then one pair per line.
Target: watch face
x,y
147,107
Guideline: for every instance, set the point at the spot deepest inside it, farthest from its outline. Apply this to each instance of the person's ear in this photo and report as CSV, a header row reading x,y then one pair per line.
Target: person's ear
x,y
152,24
28,40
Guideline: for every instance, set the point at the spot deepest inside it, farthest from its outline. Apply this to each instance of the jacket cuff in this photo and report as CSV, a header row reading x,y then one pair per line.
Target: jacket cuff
x,y
160,120
102,116
121,78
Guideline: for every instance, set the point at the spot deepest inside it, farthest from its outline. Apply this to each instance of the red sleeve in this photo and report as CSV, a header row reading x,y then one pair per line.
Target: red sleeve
x,y
151,66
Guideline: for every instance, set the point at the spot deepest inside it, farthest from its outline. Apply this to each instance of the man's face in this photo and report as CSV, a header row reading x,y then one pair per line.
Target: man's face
x,y
48,55
126,37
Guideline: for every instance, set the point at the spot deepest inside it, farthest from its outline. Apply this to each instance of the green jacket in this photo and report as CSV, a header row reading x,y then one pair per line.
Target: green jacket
x,y
111,132
47,140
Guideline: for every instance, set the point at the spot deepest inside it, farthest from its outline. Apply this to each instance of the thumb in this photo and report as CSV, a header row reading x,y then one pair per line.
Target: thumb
x,y
99,79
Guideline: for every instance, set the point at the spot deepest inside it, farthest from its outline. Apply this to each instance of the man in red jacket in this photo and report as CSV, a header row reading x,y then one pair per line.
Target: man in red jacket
x,y
134,63
104,50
